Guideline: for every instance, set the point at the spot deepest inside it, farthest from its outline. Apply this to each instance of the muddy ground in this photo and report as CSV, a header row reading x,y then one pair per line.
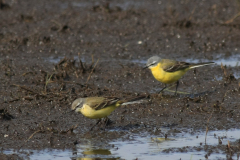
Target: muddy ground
x,y
41,43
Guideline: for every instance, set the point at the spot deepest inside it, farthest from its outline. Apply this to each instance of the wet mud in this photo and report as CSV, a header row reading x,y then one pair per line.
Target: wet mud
x,y
52,52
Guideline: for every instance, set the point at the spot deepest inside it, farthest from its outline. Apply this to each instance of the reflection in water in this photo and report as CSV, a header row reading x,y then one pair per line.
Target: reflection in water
x,y
124,5
145,148
158,147
232,61
153,148
97,152
95,158
91,151
160,140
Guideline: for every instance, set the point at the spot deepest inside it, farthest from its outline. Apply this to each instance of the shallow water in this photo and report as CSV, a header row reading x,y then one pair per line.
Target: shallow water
x,y
233,60
144,147
124,5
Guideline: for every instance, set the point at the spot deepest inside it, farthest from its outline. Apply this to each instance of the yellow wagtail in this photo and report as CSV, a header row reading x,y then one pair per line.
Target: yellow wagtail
x,y
100,107
169,71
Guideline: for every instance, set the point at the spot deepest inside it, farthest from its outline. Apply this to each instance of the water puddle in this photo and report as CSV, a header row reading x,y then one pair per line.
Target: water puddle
x,y
182,145
57,59
231,61
124,5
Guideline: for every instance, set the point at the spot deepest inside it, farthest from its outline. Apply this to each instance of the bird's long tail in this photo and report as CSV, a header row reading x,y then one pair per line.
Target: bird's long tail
x,y
200,64
139,99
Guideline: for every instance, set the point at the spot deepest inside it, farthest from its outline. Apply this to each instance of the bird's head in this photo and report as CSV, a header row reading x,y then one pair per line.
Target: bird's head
x,y
77,104
152,62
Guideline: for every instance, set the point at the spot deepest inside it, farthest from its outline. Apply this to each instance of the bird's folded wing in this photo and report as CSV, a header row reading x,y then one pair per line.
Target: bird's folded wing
x,y
101,102
173,66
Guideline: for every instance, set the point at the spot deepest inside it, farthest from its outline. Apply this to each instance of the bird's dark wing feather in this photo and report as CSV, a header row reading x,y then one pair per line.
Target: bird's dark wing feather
x,y
173,66
101,102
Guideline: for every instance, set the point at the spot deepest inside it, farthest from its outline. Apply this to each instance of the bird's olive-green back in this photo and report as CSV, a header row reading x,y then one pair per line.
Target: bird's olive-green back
x,y
169,65
100,102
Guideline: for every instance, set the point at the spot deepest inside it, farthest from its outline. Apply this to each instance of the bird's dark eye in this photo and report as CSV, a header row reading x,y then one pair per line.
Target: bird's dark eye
x,y
152,64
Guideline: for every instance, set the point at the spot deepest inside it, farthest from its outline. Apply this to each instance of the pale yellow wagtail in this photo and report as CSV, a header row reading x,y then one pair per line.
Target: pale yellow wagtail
x,y
169,71
101,107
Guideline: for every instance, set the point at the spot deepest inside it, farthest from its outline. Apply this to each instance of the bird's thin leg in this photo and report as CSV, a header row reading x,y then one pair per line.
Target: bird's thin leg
x,y
106,122
162,89
177,84
96,124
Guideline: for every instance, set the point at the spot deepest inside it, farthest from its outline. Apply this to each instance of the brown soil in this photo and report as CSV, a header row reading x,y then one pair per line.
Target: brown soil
x,y
112,38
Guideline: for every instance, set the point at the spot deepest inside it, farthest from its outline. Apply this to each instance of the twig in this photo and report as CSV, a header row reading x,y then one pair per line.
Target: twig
x,y
224,70
232,19
30,90
48,78
27,73
70,129
69,82
121,65
57,23
80,63
191,15
207,127
16,99
92,59
91,72
225,95
33,135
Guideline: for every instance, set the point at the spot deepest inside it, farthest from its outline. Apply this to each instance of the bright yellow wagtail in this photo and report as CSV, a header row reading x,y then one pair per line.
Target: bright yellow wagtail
x,y
100,107
169,71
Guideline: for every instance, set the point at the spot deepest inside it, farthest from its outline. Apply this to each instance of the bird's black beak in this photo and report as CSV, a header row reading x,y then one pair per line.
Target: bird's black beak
x,y
72,110
145,67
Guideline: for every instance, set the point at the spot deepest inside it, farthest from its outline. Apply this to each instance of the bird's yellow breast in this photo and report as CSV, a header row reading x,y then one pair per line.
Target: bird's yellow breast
x,y
87,111
166,77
